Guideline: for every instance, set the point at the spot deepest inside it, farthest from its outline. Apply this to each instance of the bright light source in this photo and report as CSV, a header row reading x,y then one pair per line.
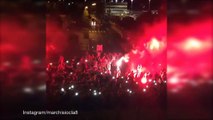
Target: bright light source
x,y
122,77
62,90
95,93
126,58
126,81
78,63
99,93
150,80
194,45
143,80
147,86
130,91
28,90
67,61
144,90
93,4
136,82
164,81
86,7
93,23
76,94
86,60
113,77
72,86
68,3
127,90
51,63
119,62
70,73
155,84
154,44
173,80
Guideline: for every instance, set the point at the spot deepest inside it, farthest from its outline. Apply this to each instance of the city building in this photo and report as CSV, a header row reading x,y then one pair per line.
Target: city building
x,y
116,9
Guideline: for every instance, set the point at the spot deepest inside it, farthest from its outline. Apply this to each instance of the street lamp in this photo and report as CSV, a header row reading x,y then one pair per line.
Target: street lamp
x,y
149,4
132,4
86,12
93,4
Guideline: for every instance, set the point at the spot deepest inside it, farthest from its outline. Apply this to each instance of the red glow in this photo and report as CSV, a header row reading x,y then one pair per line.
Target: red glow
x,y
21,42
194,45
194,40
154,44
56,39
190,53
149,48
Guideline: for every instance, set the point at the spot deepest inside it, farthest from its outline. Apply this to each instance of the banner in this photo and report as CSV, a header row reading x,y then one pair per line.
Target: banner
x,y
99,48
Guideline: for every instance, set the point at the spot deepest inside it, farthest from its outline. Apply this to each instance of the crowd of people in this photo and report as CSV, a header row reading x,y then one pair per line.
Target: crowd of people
x,y
100,75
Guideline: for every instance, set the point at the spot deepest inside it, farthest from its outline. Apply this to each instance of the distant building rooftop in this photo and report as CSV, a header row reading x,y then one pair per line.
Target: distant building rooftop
x,y
116,9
